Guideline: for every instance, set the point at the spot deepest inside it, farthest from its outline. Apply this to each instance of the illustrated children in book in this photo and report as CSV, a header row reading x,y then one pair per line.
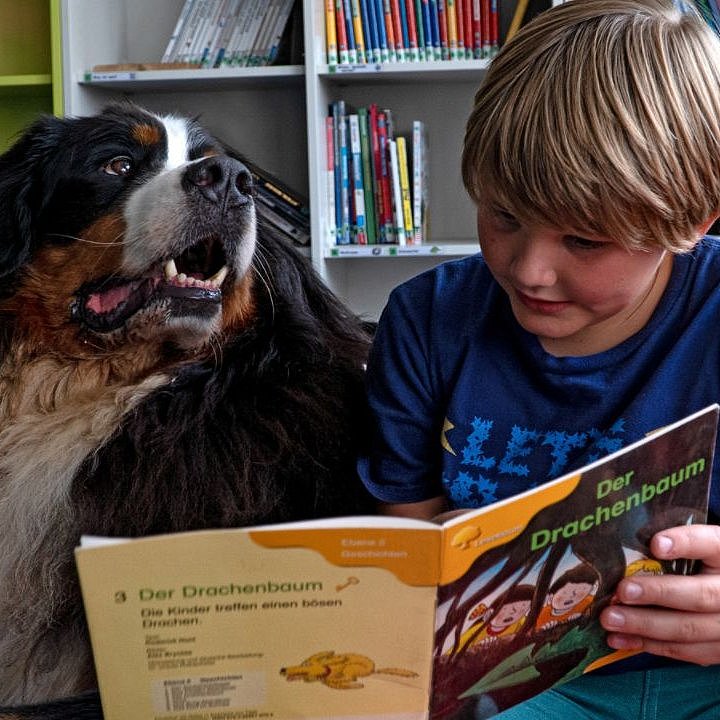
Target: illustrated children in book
x,y
590,318
569,598
501,623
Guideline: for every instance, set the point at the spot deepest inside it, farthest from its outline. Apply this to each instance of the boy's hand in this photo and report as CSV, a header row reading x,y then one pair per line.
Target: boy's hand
x,y
672,615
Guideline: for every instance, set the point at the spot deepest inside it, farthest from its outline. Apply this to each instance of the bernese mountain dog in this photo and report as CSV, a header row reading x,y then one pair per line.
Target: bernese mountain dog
x,y
166,364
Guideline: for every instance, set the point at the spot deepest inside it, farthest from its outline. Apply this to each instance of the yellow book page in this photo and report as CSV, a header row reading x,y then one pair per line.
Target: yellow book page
x,y
210,625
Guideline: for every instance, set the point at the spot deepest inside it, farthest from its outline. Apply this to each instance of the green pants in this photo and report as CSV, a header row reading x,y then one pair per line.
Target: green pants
x,y
680,692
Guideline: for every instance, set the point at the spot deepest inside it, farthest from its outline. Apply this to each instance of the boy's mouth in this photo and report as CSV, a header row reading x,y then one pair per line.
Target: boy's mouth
x,y
546,307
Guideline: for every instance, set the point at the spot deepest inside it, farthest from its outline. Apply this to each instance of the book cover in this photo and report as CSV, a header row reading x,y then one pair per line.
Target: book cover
x,y
381,617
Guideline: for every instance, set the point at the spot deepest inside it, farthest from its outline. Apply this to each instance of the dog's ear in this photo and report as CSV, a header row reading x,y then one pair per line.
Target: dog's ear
x,y
23,170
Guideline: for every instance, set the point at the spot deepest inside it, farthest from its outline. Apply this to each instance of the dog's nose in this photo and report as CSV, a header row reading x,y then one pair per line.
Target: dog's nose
x,y
221,180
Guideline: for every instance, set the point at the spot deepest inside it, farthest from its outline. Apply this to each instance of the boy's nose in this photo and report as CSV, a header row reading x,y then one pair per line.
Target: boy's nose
x,y
534,263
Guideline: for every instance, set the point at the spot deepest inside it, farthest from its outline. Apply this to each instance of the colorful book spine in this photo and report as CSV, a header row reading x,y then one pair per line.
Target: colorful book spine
x,y
420,25
378,13
477,29
468,25
451,20
375,155
419,182
404,30
368,176
389,31
385,179
400,47
460,23
170,50
413,35
398,223
350,31
358,31
330,226
494,28
405,197
331,47
372,42
359,226
434,28
341,33
443,25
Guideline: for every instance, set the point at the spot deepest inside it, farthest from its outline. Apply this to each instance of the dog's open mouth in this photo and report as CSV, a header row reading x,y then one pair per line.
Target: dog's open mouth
x,y
190,282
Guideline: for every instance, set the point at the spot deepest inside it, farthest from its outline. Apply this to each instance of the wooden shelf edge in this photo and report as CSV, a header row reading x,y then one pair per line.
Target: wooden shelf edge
x,y
26,80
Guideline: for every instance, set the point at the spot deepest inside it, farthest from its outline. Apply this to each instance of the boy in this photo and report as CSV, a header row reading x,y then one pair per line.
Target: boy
x,y
591,317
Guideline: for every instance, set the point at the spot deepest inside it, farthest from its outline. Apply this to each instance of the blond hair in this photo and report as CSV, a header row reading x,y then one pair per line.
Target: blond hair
x,y
603,116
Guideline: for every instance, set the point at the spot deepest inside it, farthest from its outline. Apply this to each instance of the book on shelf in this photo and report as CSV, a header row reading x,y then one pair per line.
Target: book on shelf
x,y
420,208
279,205
359,225
405,192
366,154
221,33
380,617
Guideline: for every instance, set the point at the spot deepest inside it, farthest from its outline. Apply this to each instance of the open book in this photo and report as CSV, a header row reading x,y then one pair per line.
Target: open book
x,y
387,618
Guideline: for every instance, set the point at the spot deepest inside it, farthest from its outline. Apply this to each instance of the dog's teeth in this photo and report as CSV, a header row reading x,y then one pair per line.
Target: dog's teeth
x,y
219,276
170,270
182,277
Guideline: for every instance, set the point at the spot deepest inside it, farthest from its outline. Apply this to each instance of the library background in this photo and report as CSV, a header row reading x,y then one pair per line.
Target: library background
x,y
352,111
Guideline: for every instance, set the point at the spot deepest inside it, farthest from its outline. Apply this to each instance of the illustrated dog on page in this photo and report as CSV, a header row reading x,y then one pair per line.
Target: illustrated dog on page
x,y
165,365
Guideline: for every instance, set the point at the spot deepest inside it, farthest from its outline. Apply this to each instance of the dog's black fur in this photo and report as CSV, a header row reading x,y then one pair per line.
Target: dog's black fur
x,y
235,410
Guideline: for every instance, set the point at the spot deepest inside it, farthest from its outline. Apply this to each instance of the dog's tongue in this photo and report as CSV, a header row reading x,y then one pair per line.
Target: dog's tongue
x,y
107,301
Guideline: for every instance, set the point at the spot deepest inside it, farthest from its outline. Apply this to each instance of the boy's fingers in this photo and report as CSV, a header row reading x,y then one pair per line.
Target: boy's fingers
x,y
663,625
694,542
706,653
692,593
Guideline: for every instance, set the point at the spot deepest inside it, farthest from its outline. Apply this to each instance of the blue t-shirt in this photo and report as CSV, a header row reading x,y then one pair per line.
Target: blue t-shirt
x,y
468,404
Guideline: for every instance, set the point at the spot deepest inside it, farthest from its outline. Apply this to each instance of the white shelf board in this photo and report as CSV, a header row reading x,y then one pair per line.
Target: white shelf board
x,y
421,72
460,249
201,79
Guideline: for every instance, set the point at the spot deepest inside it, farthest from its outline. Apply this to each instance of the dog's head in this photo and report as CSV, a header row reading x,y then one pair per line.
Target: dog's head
x,y
124,228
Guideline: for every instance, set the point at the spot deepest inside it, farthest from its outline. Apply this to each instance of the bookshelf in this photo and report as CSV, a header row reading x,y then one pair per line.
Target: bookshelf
x,y
30,75
275,115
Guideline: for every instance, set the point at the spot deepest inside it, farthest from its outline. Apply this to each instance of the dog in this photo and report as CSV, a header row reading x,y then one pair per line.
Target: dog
x,y
166,364
339,671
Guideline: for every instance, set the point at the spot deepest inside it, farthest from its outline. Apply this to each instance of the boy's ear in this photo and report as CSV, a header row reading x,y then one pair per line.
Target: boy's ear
x,y
711,227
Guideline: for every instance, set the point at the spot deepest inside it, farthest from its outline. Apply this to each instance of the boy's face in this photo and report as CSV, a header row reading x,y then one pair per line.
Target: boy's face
x,y
579,294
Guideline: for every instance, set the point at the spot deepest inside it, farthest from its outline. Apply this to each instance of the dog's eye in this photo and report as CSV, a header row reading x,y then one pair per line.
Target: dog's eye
x,y
121,165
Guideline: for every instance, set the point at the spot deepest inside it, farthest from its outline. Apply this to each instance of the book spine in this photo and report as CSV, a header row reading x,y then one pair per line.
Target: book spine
x,y
227,27
412,26
169,54
350,32
345,198
244,19
400,47
418,161
368,176
468,25
330,221
390,31
420,26
406,214
398,223
451,19
188,32
341,28
207,55
253,29
233,42
372,43
517,19
485,14
377,172
260,46
360,44
331,48
431,37
297,235
435,19
359,230
442,18
385,183
477,46
379,20
277,32
460,22
494,28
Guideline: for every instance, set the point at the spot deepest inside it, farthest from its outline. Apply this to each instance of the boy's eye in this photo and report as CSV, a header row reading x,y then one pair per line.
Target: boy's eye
x,y
506,218
581,243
